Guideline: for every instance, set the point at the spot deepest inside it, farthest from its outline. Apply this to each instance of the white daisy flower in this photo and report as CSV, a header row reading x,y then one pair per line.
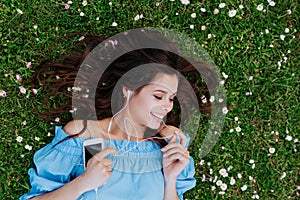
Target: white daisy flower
x,y
260,7
232,13
222,5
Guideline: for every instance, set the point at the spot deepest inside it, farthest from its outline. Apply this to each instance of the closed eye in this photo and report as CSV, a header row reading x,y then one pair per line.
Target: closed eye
x,y
158,97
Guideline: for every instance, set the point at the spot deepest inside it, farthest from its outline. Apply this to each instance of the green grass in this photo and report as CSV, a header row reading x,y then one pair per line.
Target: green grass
x,y
240,48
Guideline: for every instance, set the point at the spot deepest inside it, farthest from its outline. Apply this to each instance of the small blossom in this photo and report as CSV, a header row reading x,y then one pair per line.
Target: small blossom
x,y
193,15
67,6
202,9
18,78
250,78
22,89
222,172
110,3
255,196
19,139
224,75
223,186
238,129
216,11
241,6
212,99
289,138
24,123
84,3
232,181
203,28
138,17
2,93
221,100
19,11
70,2
219,183
232,13
28,147
289,12
81,14
185,2
213,188
225,110
48,134
272,3
260,7
244,188
283,176
267,31
37,138
157,3
282,37
202,162
253,166
114,24
231,131
272,150
286,30
222,5
251,161
296,140
56,119
35,26
239,175
192,26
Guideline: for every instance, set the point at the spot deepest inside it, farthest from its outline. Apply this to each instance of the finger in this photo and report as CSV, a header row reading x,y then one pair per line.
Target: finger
x,y
177,156
173,151
172,145
106,161
105,152
182,137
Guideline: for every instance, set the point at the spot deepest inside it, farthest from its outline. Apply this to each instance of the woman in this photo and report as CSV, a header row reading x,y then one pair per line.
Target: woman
x,y
143,157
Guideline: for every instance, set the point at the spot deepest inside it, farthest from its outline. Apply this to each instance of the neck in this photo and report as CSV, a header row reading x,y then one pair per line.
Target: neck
x,y
123,127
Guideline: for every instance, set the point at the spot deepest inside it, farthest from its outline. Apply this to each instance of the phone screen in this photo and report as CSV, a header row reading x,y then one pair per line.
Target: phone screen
x,y
91,150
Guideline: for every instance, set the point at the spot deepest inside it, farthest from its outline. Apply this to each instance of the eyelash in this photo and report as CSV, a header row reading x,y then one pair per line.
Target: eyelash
x,y
160,98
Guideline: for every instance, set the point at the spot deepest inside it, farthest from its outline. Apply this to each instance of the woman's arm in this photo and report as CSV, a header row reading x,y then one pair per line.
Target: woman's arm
x,y
170,190
97,172
71,190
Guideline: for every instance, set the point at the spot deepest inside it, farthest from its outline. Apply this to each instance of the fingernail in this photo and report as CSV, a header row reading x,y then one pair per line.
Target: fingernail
x,y
162,149
175,132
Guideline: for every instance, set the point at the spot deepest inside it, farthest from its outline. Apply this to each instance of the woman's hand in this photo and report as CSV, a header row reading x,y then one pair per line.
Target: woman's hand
x,y
98,170
175,156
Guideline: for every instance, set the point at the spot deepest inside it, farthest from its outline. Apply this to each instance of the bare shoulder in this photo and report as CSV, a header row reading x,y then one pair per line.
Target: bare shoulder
x,y
168,130
75,126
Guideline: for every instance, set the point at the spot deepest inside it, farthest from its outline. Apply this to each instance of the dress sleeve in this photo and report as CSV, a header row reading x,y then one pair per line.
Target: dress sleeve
x,y
185,180
54,167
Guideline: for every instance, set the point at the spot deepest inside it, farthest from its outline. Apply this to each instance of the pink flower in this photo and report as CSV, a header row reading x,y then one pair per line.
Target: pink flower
x,y
67,6
2,93
18,78
157,3
22,89
28,65
57,119
34,91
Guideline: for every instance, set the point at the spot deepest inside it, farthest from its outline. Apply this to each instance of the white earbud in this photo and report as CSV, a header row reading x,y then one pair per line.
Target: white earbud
x,y
128,93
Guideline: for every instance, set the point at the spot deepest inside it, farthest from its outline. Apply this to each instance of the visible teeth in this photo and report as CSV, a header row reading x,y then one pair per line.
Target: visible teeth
x,y
157,115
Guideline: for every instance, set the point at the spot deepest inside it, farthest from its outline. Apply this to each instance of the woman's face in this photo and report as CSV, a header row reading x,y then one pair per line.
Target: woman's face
x,y
154,101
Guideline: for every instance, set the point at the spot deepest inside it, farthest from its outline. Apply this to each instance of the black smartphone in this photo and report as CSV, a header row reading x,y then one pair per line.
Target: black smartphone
x,y
91,147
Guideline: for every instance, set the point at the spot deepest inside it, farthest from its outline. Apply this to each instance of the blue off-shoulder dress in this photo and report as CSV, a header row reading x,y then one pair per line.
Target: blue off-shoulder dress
x,y
136,173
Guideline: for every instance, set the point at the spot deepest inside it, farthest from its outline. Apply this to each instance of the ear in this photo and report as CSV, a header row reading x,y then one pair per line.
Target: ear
x,y
124,90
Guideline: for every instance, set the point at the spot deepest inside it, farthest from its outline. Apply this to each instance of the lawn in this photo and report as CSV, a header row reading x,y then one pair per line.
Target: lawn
x,y
254,44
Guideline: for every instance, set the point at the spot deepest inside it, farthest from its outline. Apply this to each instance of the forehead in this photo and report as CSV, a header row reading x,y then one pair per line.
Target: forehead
x,y
165,82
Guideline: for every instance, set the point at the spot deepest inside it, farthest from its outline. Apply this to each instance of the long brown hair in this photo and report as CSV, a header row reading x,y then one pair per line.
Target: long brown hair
x,y
58,77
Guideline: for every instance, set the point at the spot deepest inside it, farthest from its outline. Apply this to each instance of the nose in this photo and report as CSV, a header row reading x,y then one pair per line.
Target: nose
x,y
167,105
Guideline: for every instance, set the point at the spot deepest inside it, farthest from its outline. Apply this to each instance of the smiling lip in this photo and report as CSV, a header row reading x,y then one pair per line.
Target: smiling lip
x,y
157,117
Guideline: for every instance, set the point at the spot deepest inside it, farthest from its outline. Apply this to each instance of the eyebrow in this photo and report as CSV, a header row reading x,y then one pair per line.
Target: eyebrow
x,y
162,91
